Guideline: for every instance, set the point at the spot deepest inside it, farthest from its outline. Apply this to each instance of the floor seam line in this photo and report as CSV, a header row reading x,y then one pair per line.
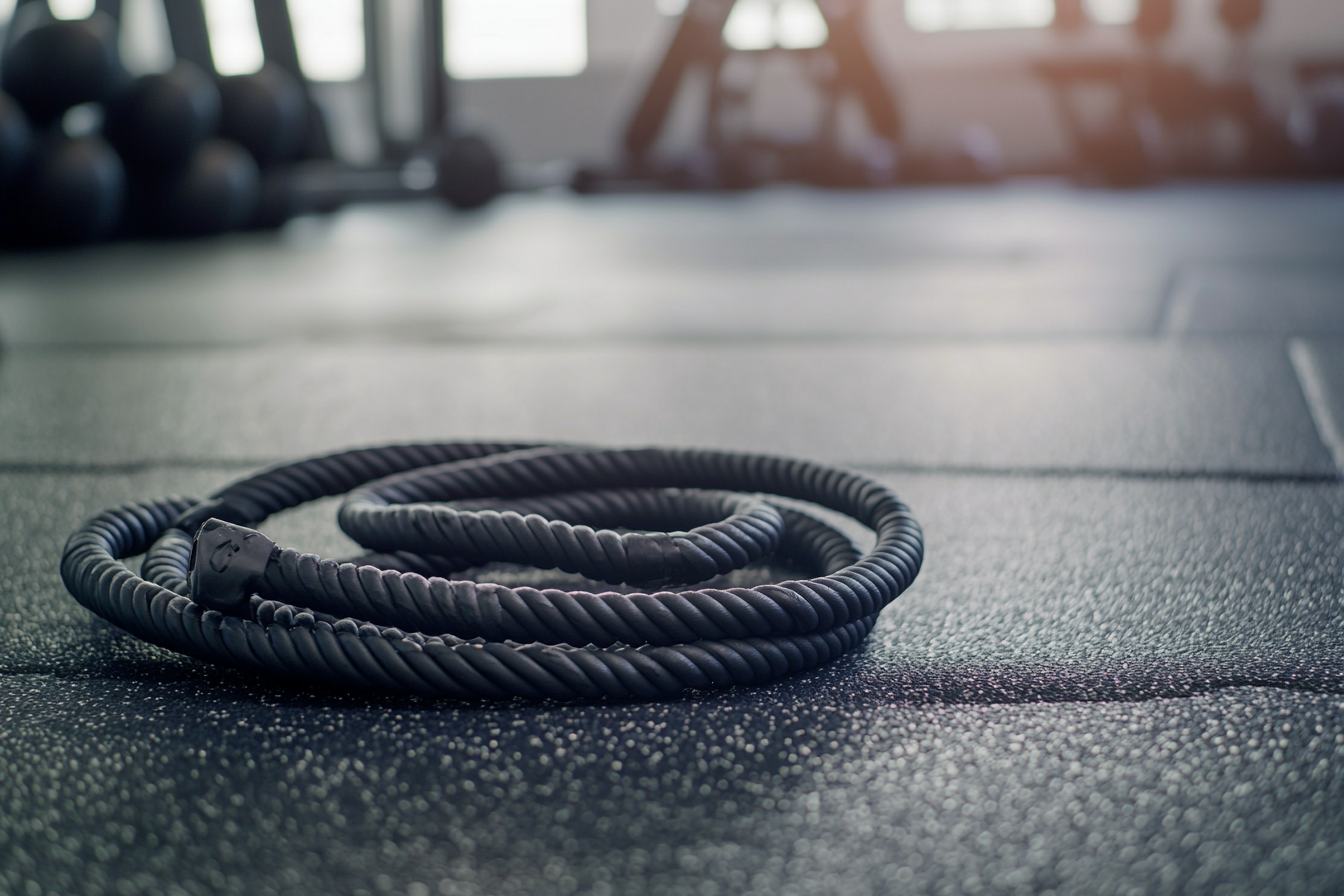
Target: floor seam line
x,y
1317,394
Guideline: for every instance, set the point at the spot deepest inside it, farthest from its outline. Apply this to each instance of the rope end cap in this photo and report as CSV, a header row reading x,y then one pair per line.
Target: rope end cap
x,y
227,563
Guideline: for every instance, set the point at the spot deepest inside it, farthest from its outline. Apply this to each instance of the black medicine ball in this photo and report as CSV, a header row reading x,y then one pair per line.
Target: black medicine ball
x,y
62,64
266,112
217,192
72,191
158,120
15,140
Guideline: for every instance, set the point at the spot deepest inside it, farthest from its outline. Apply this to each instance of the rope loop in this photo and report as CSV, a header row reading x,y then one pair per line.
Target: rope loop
x,y
402,618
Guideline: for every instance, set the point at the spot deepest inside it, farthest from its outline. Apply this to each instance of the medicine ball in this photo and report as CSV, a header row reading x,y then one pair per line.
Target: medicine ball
x,y
469,172
266,112
159,120
72,191
15,140
61,64
216,192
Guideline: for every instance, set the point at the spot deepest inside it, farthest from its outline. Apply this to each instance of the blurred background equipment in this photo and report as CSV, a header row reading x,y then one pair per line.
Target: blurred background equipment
x,y
324,102
1167,114
208,143
734,46
54,65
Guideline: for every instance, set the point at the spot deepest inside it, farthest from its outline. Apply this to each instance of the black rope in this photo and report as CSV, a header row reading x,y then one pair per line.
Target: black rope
x,y
213,588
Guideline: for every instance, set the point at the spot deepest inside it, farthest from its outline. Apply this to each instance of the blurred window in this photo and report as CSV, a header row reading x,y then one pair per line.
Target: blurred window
x,y
799,25
968,15
71,9
751,25
145,42
1112,12
235,42
762,24
330,38
515,38
6,11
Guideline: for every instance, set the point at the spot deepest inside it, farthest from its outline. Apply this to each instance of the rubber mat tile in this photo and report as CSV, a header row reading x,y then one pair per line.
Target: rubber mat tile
x,y
172,300
1303,299
1019,259
1098,684
132,786
1131,405
973,298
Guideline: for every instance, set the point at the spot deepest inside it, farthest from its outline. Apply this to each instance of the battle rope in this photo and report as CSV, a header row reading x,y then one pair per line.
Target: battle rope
x,y
212,588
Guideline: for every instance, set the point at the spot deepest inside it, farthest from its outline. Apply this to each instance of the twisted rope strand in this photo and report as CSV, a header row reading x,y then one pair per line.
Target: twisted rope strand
x,y
394,622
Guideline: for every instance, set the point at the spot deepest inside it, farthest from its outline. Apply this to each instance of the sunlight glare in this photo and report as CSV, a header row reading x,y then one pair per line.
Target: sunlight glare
x,y
974,15
799,25
1112,12
235,42
330,38
71,9
750,26
144,42
515,38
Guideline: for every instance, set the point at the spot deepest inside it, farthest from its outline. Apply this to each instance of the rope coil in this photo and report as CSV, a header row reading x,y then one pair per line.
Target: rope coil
x,y
395,621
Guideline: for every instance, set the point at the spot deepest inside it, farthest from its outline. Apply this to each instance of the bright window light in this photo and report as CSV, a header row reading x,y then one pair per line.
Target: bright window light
x,y
6,11
330,37
762,24
1111,12
71,9
235,42
515,38
750,26
145,43
970,15
799,25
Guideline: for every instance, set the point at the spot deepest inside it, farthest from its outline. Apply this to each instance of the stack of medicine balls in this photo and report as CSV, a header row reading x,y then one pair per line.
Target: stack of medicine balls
x,y
180,153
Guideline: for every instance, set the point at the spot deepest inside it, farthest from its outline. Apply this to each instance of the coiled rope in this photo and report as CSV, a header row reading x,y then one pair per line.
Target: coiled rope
x,y
394,621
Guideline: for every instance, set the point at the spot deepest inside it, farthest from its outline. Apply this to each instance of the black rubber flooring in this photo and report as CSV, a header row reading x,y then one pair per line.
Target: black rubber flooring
x,y
1117,416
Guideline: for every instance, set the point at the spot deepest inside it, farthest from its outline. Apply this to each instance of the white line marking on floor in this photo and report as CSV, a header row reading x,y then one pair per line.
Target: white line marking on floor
x,y
1317,393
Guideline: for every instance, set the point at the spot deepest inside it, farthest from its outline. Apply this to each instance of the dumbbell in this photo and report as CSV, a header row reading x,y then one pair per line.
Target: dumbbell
x,y
468,174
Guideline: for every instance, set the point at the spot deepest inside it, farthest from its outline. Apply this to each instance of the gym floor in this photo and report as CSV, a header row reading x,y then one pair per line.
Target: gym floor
x,y
1118,416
